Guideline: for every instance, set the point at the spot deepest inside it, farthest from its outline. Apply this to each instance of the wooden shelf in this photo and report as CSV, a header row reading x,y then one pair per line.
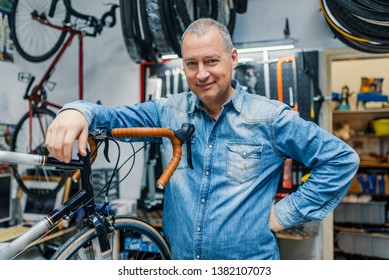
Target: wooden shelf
x,y
373,164
370,135
361,112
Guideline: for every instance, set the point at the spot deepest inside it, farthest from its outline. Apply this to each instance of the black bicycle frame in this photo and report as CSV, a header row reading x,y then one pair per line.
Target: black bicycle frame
x,y
83,198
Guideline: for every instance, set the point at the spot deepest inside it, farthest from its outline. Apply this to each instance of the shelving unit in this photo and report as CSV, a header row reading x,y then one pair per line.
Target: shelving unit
x,y
360,228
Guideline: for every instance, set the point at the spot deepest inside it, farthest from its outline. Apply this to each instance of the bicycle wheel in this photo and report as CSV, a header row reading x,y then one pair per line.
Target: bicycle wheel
x,y
131,239
41,118
226,14
33,40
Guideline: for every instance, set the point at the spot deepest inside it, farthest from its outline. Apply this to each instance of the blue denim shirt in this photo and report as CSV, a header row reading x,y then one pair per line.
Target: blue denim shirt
x,y
220,209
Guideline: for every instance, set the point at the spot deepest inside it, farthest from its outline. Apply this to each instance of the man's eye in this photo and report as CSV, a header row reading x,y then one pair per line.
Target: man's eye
x,y
212,61
190,64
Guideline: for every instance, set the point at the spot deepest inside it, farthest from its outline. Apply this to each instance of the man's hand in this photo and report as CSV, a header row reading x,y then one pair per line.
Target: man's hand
x,y
68,126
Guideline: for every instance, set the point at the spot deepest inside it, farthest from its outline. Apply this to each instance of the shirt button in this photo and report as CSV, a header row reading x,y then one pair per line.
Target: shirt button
x,y
210,146
198,256
206,173
198,229
203,200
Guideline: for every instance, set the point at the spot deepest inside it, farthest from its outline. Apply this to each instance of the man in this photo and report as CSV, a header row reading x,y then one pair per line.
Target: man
x,y
223,208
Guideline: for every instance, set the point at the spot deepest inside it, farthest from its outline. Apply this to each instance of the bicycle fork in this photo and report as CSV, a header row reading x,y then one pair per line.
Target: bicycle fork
x,y
102,230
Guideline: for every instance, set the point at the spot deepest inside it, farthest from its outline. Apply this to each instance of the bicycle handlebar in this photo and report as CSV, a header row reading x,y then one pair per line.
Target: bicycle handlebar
x,y
177,138
92,21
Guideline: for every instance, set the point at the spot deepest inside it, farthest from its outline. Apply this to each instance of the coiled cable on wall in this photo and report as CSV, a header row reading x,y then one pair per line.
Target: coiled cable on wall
x,y
359,24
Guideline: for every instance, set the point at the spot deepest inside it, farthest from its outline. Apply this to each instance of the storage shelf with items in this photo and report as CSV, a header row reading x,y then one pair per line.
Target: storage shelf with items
x,y
358,130
361,220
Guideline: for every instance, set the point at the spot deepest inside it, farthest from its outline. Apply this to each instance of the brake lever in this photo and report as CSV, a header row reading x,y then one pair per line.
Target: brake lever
x,y
184,135
189,153
106,149
101,136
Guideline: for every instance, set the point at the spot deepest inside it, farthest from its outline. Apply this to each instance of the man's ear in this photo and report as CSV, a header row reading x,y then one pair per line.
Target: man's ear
x,y
234,57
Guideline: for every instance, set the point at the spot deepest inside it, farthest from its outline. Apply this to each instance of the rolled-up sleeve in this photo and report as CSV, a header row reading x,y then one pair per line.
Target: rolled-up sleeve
x,y
333,166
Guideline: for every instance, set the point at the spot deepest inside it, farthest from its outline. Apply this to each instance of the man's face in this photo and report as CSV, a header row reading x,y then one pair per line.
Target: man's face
x,y
208,66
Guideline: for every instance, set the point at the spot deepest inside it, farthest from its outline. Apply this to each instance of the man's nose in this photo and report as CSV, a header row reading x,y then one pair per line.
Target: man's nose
x,y
202,72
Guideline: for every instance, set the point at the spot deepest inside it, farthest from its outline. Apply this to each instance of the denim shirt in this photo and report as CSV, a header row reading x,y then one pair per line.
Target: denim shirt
x,y
220,209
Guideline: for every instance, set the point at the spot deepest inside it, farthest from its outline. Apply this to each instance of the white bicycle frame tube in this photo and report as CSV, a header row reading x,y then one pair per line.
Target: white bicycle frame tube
x,y
20,158
12,249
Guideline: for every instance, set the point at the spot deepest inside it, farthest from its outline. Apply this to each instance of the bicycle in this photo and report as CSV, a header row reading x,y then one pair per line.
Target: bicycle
x,y
39,30
102,235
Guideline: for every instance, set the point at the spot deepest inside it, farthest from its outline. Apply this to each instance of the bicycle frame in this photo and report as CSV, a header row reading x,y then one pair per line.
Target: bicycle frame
x,y
34,99
48,222
73,32
34,96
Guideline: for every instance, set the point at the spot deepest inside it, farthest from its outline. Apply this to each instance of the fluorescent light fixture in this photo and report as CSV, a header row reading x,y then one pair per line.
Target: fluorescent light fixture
x,y
274,45
169,56
246,59
261,49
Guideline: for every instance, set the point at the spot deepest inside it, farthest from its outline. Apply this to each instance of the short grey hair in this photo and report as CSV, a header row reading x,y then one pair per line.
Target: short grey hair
x,y
201,27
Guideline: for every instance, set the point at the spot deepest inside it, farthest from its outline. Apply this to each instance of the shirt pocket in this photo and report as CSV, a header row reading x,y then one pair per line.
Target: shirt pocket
x,y
243,161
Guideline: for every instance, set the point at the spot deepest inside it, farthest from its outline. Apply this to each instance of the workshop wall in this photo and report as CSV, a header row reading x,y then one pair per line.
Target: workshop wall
x,y
111,77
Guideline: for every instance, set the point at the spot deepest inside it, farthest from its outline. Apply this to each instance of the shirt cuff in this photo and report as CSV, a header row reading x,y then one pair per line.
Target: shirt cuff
x,y
80,106
287,213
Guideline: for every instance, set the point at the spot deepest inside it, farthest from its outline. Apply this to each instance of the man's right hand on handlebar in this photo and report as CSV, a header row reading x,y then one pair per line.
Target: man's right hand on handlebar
x,y
68,126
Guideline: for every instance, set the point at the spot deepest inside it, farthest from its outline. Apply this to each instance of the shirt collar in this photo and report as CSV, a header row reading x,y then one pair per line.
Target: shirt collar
x,y
237,98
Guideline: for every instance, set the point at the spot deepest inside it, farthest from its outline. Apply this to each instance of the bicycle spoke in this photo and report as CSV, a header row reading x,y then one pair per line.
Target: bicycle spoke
x,y
33,40
132,239
29,138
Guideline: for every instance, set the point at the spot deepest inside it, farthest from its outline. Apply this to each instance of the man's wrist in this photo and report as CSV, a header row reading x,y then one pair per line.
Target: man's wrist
x,y
274,224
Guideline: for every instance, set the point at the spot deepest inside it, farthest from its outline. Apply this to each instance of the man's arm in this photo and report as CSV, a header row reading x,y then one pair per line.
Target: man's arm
x,y
333,165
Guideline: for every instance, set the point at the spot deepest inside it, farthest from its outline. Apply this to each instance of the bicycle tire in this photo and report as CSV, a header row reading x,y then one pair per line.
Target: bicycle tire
x,y
375,4
34,41
226,14
357,26
362,10
128,31
184,10
156,29
147,38
169,26
42,117
144,242
360,46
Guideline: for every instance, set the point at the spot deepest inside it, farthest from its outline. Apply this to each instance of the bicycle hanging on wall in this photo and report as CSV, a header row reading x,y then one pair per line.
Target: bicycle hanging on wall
x,y
40,30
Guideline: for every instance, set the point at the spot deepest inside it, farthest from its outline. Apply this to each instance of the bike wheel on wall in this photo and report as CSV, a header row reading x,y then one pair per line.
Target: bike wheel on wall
x,y
33,40
131,239
226,14
32,141
154,28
